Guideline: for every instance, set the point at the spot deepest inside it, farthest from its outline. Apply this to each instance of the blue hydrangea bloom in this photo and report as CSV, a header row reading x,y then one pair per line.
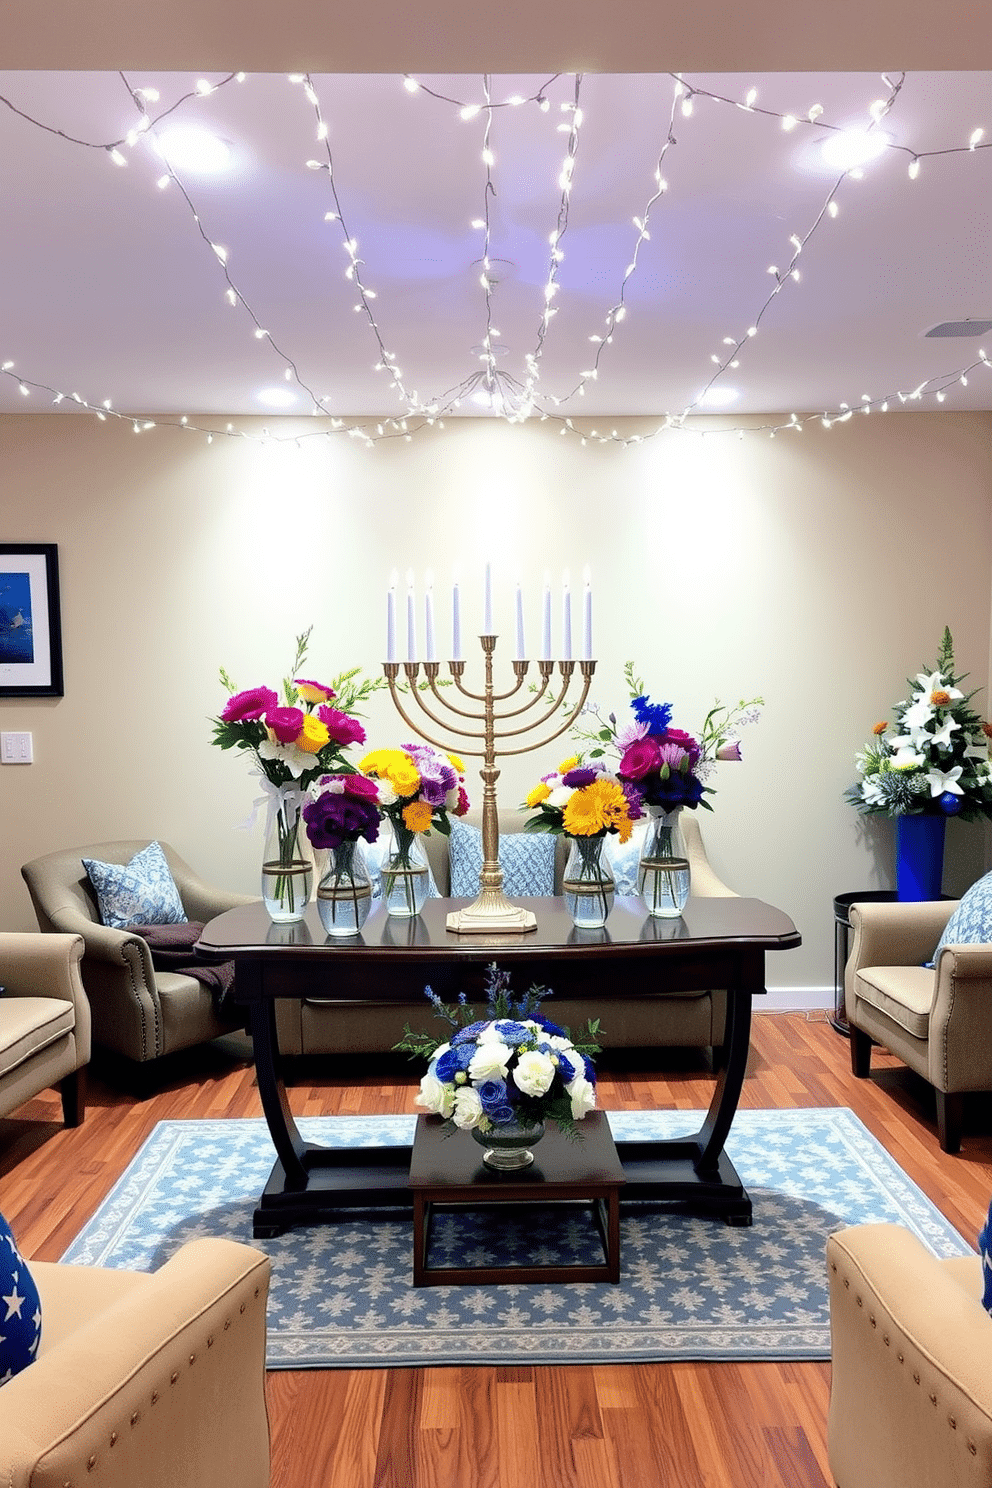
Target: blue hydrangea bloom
x,y
514,1033
464,1035
448,1064
657,716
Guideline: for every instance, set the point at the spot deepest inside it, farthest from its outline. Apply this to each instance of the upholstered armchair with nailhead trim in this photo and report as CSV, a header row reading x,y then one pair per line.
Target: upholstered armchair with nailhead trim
x,y
157,1380
911,1364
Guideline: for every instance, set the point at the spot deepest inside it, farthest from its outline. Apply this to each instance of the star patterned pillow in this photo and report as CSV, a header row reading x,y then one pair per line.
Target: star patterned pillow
x,y
20,1309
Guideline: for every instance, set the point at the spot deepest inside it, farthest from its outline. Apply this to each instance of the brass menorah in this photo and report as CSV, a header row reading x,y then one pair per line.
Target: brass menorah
x,y
491,911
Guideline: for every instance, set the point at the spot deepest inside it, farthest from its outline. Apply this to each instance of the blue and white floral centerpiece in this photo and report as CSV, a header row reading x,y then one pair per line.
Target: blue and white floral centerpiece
x,y
502,1077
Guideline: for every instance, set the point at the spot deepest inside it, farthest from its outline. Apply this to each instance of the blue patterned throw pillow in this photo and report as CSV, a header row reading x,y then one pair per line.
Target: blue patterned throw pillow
x,y
20,1309
971,922
142,892
527,860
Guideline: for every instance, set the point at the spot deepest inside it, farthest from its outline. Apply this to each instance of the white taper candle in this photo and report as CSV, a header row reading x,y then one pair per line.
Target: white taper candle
x,y
429,641
487,602
411,620
566,618
546,620
521,650
456,623
587,616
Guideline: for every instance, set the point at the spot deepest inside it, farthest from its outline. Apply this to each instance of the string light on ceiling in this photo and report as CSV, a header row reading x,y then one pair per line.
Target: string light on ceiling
x,y
512,397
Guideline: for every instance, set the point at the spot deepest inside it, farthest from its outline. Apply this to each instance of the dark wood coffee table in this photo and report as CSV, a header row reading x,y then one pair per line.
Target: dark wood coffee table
x,y
716,943
447,1172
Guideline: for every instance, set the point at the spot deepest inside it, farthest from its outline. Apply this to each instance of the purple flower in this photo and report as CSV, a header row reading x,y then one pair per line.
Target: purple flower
x,y
580,776
335,818
729,751
251,704
634,799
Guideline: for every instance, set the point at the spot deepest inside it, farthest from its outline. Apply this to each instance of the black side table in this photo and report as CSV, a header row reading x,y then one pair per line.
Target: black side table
x,y
842,945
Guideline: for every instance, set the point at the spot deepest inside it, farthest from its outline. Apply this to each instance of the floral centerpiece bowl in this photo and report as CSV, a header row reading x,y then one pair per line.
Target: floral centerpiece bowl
x,y
585,803
418,787
931,764
291,743
502,1077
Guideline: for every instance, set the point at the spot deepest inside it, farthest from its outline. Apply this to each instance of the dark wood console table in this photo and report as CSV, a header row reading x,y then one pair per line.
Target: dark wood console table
x,y
716,943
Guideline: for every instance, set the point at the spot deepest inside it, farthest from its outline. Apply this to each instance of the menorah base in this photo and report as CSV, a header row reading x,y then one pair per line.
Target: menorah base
x,y
491,912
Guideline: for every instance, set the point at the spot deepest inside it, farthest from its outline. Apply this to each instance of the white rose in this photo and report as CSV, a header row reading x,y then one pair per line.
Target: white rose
x,y
533,1073
468,1108
387,796
583,1096
559,797
434,1096
490,1061
490,1034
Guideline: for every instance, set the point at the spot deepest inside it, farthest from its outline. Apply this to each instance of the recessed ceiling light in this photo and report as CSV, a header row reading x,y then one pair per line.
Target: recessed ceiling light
x,y
850,148
277,397
718,397
189,148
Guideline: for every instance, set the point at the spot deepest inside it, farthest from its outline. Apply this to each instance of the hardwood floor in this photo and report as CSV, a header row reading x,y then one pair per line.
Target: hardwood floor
x,y
622,1426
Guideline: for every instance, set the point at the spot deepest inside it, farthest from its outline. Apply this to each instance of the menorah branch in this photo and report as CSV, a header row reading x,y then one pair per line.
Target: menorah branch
x,y
491,911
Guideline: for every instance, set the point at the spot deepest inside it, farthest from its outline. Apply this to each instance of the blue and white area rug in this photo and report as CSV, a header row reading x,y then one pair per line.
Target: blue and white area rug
x,y
342,1294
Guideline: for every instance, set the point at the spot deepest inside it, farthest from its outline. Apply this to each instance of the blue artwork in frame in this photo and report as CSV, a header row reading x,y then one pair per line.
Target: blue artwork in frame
x,y
30,621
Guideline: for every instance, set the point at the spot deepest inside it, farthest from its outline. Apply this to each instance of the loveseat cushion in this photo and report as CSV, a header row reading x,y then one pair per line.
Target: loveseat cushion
x,y
141,892
902,993
20,1309
30,1024
527,860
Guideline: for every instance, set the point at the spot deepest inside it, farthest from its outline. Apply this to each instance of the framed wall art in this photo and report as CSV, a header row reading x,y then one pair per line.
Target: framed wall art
x,y
30,621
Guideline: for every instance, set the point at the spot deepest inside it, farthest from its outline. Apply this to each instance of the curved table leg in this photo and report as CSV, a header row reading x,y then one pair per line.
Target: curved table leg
x,y
727,1091
286,1138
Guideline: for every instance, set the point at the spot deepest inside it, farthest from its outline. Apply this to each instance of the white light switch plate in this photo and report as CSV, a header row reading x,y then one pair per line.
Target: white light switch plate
x,y
15,749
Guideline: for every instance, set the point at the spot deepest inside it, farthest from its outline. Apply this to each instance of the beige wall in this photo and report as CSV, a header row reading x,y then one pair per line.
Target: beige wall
x,y
817,569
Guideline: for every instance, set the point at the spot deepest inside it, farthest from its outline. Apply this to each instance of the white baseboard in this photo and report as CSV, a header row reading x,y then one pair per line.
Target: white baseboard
x,y
795,1000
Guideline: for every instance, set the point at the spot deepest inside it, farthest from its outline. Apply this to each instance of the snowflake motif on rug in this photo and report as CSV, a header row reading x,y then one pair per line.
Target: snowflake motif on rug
x,y
690,1288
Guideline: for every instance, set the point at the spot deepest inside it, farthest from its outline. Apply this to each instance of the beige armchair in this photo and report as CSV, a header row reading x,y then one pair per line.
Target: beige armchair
x,y
911,1371
157,1380
137,1011
938,1022
44,1021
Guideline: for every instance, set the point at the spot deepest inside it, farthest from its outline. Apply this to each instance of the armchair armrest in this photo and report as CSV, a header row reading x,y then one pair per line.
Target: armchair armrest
x,y
911,1391
202,901
164,1386
36,965
897,934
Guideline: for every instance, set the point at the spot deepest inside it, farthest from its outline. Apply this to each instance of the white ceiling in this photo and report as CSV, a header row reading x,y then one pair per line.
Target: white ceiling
x,y
111,289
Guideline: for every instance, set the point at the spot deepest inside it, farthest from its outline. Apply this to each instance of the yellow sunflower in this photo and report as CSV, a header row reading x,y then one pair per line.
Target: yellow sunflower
x,y
596,808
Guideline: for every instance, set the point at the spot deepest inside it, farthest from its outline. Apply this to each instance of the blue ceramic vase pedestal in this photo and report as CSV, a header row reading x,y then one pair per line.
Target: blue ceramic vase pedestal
x,y
919,856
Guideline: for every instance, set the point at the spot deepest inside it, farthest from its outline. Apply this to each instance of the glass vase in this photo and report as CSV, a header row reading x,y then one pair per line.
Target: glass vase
x,y
588,883
344,894
287,862
663,872
405,872
508,1147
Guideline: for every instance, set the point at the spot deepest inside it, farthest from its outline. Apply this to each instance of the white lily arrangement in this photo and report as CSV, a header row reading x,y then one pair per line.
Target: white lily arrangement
x,y
934,760
512,1067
